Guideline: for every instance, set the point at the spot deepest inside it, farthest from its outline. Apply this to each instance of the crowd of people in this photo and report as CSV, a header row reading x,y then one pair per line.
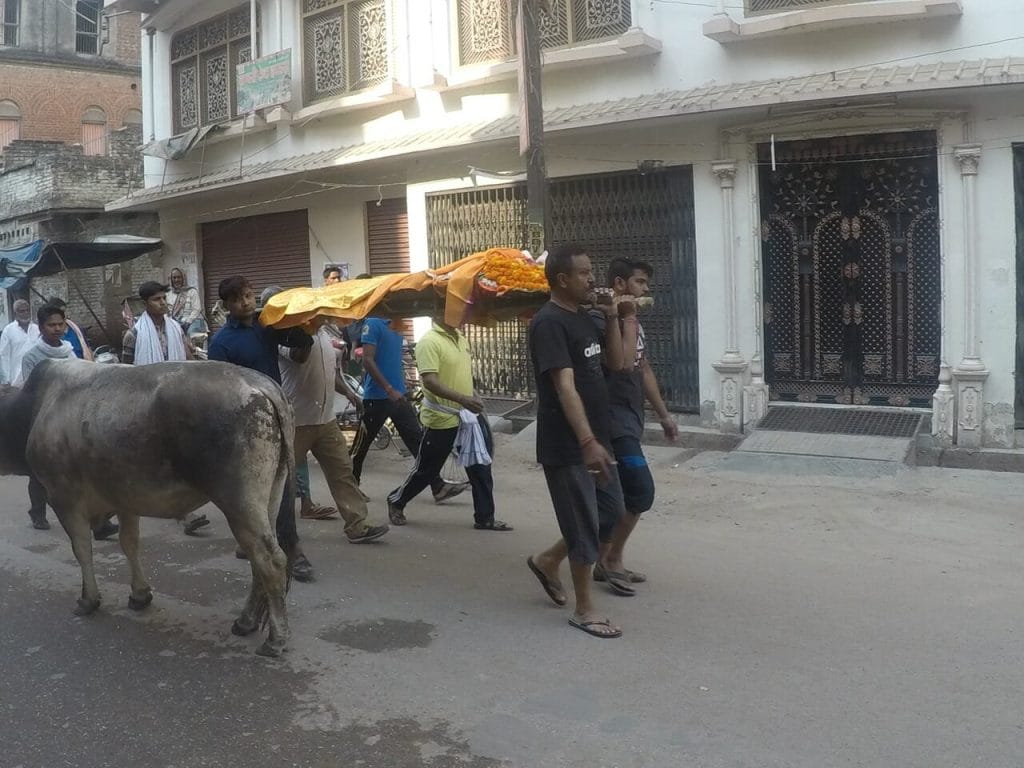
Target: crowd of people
x,y
588,351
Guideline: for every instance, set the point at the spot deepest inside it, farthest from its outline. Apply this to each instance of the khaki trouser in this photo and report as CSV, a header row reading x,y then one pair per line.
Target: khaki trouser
x,y
330,449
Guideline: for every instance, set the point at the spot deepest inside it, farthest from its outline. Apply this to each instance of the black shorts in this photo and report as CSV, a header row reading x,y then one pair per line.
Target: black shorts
x,y
586,513
634,475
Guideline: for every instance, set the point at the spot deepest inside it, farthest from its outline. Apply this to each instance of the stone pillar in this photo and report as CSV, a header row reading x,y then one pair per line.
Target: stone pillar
x,y
944,409
731,367
970,374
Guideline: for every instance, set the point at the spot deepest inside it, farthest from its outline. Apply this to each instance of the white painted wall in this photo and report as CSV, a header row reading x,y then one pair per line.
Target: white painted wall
x,y
424,37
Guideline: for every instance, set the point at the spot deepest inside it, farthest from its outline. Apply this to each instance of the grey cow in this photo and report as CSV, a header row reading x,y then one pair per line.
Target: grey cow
x,y
158,441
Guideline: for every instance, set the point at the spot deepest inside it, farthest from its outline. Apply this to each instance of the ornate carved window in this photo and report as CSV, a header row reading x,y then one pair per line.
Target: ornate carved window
x,y
778,6
203,61
487,29
10,13
345,46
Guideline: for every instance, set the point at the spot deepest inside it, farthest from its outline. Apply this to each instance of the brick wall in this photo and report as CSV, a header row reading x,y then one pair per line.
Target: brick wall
x,y
63,193
53,99
125,39
41,176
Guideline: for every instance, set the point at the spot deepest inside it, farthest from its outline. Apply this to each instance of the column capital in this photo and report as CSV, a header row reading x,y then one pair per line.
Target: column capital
x,y
969,157
725,170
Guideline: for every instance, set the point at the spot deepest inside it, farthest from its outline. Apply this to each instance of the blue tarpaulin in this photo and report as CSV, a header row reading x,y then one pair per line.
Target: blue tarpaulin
x,y
15,264
39,259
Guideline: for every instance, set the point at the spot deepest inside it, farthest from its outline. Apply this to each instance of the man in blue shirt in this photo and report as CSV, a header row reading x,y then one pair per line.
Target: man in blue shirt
x,y
243,341
384,398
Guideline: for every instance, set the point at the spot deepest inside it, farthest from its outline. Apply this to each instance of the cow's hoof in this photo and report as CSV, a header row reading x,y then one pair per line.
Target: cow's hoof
x,y
86,607
140,604
270,650
241,629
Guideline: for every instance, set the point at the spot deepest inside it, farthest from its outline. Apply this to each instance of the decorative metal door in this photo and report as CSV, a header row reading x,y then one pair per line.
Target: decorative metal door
x,y
640,216
852,282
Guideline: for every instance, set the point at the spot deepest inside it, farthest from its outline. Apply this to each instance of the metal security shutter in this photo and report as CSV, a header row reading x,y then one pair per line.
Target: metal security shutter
x,y
387,236
268,250
387,243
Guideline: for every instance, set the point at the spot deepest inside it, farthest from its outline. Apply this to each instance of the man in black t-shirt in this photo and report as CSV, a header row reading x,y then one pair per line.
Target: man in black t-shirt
x,y
573,430
627,389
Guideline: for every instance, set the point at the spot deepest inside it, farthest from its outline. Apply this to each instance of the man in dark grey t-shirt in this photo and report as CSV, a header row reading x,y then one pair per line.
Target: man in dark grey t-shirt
x,y
573,431
627,390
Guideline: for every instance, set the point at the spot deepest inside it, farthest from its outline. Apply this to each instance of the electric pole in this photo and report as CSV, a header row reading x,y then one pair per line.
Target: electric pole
x,y
531,121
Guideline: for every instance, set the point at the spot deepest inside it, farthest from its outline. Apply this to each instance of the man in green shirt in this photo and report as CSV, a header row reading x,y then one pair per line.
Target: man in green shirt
x,y
446,372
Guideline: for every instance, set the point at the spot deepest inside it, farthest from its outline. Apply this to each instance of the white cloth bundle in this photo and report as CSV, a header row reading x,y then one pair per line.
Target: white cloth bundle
x,y
470,442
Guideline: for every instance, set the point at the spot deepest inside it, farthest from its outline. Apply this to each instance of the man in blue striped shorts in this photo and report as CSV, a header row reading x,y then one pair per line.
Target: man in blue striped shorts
x,y
627,390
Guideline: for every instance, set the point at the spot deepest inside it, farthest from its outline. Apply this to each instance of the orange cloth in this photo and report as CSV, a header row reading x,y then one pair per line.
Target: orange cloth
x,y
355,299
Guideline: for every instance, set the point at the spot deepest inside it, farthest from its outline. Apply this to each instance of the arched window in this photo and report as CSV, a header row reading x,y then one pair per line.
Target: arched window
x,y
94,131
132,117
10,123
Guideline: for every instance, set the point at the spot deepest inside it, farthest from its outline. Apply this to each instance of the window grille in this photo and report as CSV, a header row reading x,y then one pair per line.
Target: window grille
x,y
345,46
87,26
779,6
487,27
10,14
203,61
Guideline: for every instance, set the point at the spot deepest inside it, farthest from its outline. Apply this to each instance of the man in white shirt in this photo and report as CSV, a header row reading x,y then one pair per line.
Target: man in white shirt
x,y
310,378
16,340
157,338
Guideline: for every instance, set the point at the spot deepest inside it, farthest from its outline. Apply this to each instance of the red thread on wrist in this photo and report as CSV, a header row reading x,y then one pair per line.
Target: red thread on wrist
x,y
587,441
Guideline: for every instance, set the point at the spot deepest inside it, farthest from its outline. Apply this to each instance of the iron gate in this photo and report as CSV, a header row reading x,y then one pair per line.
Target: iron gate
x,y
639,216
850,238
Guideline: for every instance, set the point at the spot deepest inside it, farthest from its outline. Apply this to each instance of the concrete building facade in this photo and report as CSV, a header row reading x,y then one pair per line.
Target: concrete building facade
x,y
826,188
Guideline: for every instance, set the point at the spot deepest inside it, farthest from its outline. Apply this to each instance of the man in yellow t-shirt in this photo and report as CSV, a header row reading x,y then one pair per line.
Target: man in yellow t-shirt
x,y
446,372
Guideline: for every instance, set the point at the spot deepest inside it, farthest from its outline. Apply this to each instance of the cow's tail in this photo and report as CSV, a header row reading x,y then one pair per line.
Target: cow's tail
x,y
286,427
286,423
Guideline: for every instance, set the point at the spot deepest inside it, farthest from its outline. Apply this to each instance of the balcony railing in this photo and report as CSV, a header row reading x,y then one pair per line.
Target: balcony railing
x,y
754,7
487,28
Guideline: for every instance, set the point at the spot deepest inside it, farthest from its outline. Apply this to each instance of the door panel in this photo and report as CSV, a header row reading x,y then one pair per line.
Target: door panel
x,y
850,241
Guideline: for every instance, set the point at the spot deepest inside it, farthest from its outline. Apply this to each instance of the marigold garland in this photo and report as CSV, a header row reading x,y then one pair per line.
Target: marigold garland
x,y
510,273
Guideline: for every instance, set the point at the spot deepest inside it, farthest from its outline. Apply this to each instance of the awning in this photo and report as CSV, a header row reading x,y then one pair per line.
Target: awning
x,y
40,259
813,90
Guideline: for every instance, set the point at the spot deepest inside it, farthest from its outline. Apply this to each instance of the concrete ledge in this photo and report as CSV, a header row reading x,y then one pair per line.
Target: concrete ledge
x,y
930,454
724,29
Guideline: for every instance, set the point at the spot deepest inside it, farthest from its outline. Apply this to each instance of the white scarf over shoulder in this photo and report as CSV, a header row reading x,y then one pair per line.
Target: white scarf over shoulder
x,y
147,341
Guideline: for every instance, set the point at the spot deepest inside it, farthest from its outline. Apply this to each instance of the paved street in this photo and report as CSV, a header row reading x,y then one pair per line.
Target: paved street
x,y
791,620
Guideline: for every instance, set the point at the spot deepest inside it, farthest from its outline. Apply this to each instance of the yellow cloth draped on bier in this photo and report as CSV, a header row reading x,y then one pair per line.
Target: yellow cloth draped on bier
x,y
455,284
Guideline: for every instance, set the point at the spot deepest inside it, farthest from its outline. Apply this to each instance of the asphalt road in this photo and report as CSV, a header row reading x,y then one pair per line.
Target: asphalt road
x,y
789,621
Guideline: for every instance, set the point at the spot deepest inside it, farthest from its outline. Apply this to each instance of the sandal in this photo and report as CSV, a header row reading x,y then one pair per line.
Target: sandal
x,y
493,525
635,577
618,581
551,587
592,627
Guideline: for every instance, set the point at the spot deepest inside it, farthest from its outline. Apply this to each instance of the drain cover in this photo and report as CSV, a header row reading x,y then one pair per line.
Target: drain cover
x,y
840,421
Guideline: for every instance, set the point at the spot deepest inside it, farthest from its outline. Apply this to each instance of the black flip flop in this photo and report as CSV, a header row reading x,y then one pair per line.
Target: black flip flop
x,y
588,627
557,596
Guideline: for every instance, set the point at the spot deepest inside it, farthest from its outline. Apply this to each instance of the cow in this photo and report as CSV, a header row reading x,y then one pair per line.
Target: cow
x,y
158,441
